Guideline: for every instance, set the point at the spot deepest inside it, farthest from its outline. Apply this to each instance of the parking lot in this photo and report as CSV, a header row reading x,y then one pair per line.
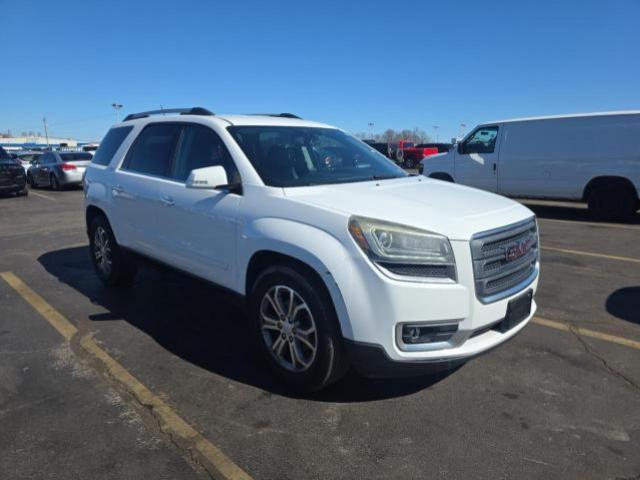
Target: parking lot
x,y
160,380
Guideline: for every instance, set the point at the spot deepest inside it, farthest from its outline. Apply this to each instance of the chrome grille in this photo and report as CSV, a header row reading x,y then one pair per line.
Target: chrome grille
x,y
504,259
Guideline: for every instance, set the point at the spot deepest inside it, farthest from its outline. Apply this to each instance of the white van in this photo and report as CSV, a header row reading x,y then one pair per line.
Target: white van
x,y
592,157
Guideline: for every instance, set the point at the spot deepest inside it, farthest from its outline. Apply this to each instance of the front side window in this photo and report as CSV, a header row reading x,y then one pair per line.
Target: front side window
x,y
110,144
483,140
200,147
152,151
299,156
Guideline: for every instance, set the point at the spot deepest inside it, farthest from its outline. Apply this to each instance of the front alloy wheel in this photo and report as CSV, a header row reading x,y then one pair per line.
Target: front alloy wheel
x,y
296,327
288,328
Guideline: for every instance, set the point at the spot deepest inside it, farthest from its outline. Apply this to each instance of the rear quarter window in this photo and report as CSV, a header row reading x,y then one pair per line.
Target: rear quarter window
x,y
110,144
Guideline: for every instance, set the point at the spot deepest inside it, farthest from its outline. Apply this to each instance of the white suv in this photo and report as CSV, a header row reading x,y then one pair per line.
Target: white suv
x,y
343,259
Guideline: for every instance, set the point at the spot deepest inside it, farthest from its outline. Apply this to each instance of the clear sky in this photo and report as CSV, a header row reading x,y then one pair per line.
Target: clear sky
x,y
399,64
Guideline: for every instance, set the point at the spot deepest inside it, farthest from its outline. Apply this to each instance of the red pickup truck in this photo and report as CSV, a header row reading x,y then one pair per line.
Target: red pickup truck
x,y
408,155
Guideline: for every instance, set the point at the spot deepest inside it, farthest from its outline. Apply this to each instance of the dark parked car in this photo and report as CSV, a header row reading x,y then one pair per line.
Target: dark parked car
x,y
58,169
12,177
382,147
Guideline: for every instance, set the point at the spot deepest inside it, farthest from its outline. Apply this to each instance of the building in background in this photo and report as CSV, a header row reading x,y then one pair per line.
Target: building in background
x,y
34,141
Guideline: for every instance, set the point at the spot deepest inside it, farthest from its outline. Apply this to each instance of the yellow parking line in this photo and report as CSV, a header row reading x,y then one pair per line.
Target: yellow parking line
x,y
42,195
172,423
591,254
61,324
585,332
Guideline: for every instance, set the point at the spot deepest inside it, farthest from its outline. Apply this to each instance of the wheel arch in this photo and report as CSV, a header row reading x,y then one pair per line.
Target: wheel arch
x,y
92,212
607,179
441,176
278,241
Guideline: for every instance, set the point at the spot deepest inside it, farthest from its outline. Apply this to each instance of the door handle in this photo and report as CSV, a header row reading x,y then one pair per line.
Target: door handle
x,y
167,201
495,166
117,189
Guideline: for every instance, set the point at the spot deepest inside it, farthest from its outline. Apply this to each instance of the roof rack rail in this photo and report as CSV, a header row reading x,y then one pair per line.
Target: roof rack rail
x,y
282,115
181,111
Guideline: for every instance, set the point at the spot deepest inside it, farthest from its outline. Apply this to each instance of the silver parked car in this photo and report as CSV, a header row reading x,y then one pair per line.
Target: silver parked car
x,y
58,169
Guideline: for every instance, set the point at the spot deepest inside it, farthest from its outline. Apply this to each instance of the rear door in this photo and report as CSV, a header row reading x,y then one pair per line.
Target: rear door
x,y
138,186
476,161
198,226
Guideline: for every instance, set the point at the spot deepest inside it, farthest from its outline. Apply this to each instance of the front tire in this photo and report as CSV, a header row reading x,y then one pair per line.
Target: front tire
x,y
110,263
296,328
30,181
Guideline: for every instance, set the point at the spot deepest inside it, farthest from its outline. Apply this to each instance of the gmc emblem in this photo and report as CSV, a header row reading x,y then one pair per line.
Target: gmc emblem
x,y
518,250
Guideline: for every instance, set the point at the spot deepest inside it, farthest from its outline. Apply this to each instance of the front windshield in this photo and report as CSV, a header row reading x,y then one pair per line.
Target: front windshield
x,y
299,156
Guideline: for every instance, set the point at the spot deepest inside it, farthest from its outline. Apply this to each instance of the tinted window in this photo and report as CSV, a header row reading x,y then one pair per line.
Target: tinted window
x,y
71,157
483,140
200,147
110,143
153,149
295,156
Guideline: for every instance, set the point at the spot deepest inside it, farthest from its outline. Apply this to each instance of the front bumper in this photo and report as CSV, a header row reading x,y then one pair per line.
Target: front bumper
x,y
377,305
14,186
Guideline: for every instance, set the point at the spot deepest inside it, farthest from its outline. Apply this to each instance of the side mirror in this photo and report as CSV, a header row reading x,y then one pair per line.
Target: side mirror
x,y
461,148
208,178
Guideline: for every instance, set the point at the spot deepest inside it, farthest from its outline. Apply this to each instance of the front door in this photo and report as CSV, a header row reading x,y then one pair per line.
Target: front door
x,y
200,224
476,161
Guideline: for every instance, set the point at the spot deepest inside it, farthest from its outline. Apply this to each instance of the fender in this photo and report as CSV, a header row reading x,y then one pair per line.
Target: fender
x,y
316,248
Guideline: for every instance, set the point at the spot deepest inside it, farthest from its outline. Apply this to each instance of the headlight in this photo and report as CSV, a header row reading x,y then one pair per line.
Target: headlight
x,y
404,251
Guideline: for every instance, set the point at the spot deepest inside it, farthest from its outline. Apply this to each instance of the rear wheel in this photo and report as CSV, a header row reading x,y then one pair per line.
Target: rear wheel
x,y
30,181
111,264
54,183
296,328
612,201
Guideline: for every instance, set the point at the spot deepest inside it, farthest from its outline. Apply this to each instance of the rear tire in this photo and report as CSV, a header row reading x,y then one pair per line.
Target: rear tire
x,y
612,201
54,183
111,264
285,306
30,181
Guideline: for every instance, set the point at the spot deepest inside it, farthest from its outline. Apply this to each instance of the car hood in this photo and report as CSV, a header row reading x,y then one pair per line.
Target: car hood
x,y
452,210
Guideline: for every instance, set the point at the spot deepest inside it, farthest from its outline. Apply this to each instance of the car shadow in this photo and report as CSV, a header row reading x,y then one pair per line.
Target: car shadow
x,y
575,213
624,304
205,326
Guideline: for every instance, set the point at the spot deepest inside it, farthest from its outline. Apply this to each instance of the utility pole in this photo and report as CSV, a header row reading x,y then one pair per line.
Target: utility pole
x,y
116,107
462,127
46,131
435,129
370,130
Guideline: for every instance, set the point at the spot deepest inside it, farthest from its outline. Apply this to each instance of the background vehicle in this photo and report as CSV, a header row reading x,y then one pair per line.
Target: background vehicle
x,y
12,176
58,169
440,147
27,158
381,147
343,259
590,157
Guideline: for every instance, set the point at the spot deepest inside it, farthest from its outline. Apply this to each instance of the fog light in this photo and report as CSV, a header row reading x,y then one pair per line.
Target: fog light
x,y
412,334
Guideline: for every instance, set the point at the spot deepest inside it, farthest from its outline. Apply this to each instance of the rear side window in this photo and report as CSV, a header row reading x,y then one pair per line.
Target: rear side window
x,y
152,151
200,147
110,143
